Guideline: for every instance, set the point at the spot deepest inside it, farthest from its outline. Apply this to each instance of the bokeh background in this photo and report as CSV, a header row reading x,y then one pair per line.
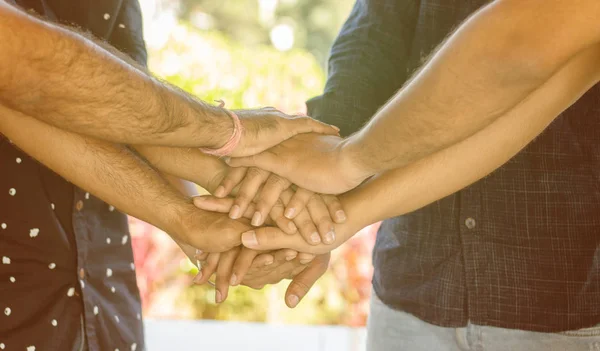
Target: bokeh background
x,y
250,53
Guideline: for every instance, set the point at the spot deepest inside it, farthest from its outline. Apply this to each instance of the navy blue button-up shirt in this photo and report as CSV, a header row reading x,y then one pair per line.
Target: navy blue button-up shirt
x,y
519,249
67,278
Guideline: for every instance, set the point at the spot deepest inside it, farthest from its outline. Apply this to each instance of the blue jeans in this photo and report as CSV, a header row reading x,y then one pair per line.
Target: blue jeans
x,y
392,330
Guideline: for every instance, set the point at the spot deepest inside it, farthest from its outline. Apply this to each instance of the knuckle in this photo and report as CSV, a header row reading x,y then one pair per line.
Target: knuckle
x,y
254,172
300,286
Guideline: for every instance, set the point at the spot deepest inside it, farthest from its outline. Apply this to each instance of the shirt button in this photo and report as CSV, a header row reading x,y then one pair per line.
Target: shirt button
x,y
470,223
81,273
79,205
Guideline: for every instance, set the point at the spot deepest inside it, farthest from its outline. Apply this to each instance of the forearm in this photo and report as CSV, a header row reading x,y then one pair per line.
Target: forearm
x,y
109,171
185,163
409,188
472,79
68,81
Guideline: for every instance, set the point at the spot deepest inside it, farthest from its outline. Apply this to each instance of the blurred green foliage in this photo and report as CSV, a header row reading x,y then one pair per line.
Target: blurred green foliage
x,y
315,22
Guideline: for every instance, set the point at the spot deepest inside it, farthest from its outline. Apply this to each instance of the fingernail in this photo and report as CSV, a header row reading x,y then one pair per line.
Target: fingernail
x,y
249,239
197,278
227,159
329,237
292,227
233,280
235,212
220,192
315,238
289,213
256,219
218,297
290,257
199,252
306,261
335,127
269,262
340,216
293,300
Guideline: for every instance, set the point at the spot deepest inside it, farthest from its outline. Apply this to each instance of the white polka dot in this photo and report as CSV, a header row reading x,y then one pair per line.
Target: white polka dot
x,y
52,265
116,349
82,283
5,260
96,310
139,316
12,279
108,272
108,240
71,292
31,348
52,206
117,319
132,265
121,25
3,225
19,160
111,208
133,347
112,289
106,16
2,346
34,232
124,239
7,311
12,191
87,196
54,322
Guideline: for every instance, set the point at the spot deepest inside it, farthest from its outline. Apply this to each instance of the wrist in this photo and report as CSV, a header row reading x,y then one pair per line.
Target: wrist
x,y
351,158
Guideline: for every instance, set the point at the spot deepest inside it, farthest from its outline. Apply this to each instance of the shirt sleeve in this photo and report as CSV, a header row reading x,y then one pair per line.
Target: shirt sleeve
x,y
127,34
368,63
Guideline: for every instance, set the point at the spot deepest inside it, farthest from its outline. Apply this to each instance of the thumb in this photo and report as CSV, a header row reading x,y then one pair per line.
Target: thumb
x,y
303,282
265,160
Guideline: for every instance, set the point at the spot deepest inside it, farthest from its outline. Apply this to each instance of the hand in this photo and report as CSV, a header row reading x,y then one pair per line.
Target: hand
x,y
311,161
257,270
314,223
266,127
265,190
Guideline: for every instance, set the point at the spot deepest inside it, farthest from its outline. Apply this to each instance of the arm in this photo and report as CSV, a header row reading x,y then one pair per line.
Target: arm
x,y
72,82
491,63
114,174
406,189
468,84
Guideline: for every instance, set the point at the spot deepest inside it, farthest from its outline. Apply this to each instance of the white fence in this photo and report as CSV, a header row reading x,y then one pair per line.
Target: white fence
x,y
184,335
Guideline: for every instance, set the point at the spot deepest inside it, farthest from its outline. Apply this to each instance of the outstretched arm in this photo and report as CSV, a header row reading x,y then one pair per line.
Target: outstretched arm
x,y
406,189
81,85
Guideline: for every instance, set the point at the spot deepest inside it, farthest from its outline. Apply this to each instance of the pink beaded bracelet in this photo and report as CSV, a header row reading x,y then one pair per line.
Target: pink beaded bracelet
x,y
235,139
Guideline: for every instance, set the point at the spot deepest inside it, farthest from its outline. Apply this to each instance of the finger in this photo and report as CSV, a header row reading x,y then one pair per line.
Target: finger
x,y
298,202
213,204
307,228
254,179
244,261
280,221
207,270
268,196
305,258
336,211
224,274
305,124
231,180
320,216
271,238
302,283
